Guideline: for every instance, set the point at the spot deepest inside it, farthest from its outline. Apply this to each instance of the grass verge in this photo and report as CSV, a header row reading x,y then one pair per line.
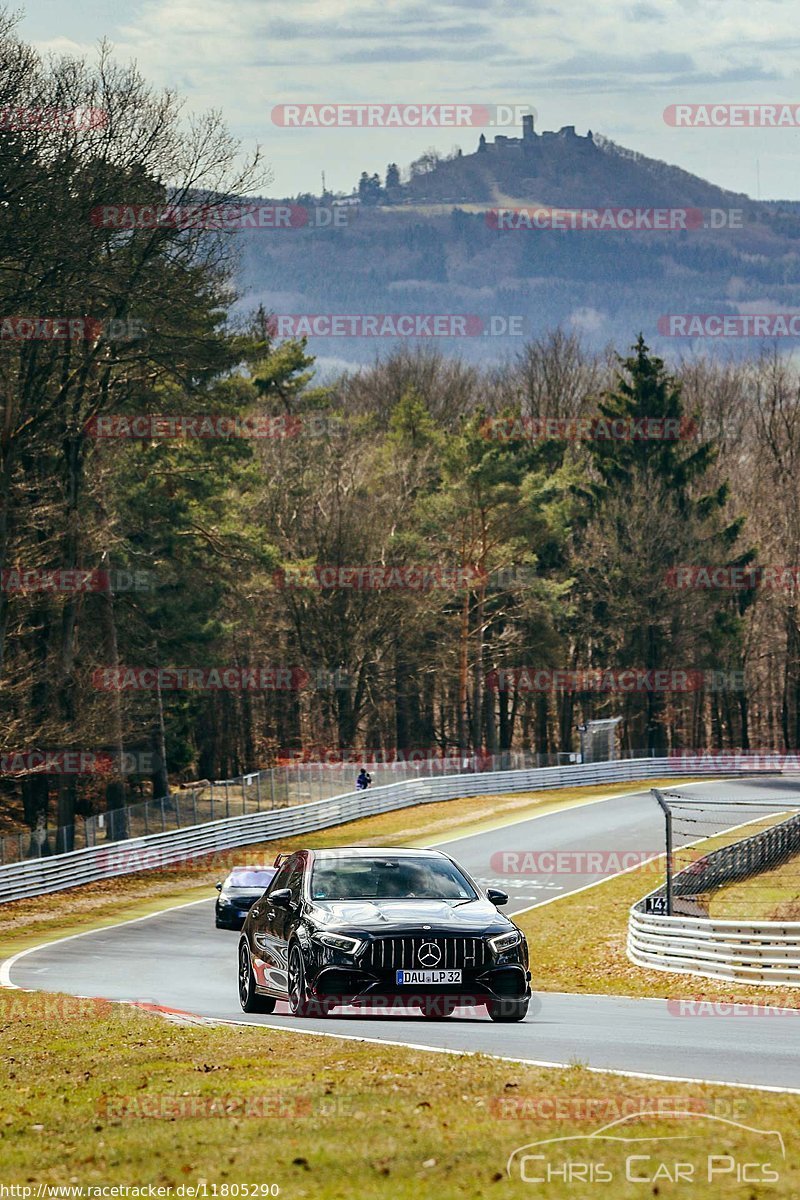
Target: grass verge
x,y
772,896
115,1097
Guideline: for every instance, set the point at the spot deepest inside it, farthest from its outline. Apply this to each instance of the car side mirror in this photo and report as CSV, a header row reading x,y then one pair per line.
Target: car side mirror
x,y
218,886
496,896
282,898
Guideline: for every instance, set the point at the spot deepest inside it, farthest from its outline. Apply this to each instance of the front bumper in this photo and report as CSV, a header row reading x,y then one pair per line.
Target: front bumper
x,y
231,918
349,985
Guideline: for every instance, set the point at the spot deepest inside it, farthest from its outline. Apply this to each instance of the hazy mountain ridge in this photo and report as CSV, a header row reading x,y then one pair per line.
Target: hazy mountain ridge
x,y
422,252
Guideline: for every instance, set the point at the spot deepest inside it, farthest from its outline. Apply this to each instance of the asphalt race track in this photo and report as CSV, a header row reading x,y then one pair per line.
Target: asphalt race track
x,y
178,959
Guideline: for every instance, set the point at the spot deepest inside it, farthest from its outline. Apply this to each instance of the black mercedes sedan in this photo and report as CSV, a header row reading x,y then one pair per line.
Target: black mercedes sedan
x,y
238,892
373,927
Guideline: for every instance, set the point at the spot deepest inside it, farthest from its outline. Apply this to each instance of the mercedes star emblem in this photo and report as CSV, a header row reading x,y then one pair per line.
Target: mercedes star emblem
x,y
429,954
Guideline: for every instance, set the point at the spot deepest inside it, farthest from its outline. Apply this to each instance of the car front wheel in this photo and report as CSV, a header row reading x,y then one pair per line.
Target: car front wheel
x,y
508,1011
300,1002
249,999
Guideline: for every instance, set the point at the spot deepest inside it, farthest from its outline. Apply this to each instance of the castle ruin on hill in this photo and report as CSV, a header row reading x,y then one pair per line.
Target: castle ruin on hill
x,y
531,141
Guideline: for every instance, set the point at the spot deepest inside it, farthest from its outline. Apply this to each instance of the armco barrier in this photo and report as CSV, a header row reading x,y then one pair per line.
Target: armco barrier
x,y
36,876
752,951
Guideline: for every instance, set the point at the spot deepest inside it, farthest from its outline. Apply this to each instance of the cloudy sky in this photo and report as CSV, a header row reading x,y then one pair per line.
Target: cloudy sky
x,y
612,67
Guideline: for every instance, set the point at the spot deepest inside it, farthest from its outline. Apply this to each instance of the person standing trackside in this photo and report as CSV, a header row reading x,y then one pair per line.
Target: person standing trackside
x,y
363,781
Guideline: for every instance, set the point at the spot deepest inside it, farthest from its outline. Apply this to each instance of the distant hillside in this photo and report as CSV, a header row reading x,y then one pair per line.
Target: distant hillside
x,y
427,246
564,169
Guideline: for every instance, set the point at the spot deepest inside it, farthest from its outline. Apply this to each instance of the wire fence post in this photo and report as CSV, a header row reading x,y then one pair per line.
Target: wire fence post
x,y
258,792
272,787
668,834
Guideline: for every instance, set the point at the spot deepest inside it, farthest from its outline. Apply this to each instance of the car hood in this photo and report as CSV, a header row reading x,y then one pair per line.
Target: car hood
x,y
388,916
243,895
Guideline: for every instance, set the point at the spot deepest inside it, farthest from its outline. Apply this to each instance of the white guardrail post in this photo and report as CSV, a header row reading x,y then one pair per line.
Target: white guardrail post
x,y
106,860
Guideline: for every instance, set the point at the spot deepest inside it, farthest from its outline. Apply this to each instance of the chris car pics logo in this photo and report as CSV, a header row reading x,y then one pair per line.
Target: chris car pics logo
x,y
702,1148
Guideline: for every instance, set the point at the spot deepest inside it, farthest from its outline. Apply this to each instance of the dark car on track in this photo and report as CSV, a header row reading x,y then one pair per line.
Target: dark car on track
x,y
238,892
368,926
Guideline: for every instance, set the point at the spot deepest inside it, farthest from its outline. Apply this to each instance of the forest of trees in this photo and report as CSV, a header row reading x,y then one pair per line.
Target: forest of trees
x,y
248,553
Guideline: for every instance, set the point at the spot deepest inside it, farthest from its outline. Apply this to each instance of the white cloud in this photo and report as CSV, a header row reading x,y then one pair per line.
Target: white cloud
x,y
576,64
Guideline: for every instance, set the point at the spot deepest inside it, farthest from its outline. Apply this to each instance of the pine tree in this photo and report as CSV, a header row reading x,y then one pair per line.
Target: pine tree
x,y
650,513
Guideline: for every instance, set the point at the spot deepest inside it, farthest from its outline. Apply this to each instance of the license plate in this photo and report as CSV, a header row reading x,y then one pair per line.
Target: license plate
x,y
415,977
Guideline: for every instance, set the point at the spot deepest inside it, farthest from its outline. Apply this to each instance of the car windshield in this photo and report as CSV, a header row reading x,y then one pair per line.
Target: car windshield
x,y
249,879
387,878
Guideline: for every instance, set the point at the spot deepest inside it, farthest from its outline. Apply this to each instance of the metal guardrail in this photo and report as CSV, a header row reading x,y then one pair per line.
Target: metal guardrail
x,y
756,951
54,873
752,951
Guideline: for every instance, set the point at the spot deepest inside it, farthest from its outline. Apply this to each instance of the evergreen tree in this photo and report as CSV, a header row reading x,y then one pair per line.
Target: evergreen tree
x,y
650,513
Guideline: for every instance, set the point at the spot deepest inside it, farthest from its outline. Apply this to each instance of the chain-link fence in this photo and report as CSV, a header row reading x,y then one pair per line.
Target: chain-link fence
x,y
732,857
276,787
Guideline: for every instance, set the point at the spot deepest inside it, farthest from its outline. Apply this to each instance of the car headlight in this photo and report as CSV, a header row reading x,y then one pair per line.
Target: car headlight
x,y
340,941
223,899
505,941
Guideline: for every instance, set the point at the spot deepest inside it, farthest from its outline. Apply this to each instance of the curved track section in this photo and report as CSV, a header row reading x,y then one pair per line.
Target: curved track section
x,y
179,960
